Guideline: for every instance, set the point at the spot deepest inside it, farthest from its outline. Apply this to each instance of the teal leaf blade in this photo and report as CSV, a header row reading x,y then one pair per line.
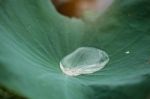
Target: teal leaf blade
x,y
34,38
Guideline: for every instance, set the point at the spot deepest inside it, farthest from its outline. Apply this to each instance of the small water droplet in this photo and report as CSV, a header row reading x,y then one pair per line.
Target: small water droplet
x,y
127,52
84,60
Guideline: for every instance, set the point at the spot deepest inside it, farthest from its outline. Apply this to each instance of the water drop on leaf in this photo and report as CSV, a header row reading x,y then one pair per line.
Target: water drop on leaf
x,y
84,60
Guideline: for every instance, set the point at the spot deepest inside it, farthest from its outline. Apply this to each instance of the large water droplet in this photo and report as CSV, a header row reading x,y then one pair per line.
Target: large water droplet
x,y
84,60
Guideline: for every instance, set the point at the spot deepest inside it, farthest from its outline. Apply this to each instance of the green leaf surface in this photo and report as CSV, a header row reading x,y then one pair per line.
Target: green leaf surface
x,y
34,37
